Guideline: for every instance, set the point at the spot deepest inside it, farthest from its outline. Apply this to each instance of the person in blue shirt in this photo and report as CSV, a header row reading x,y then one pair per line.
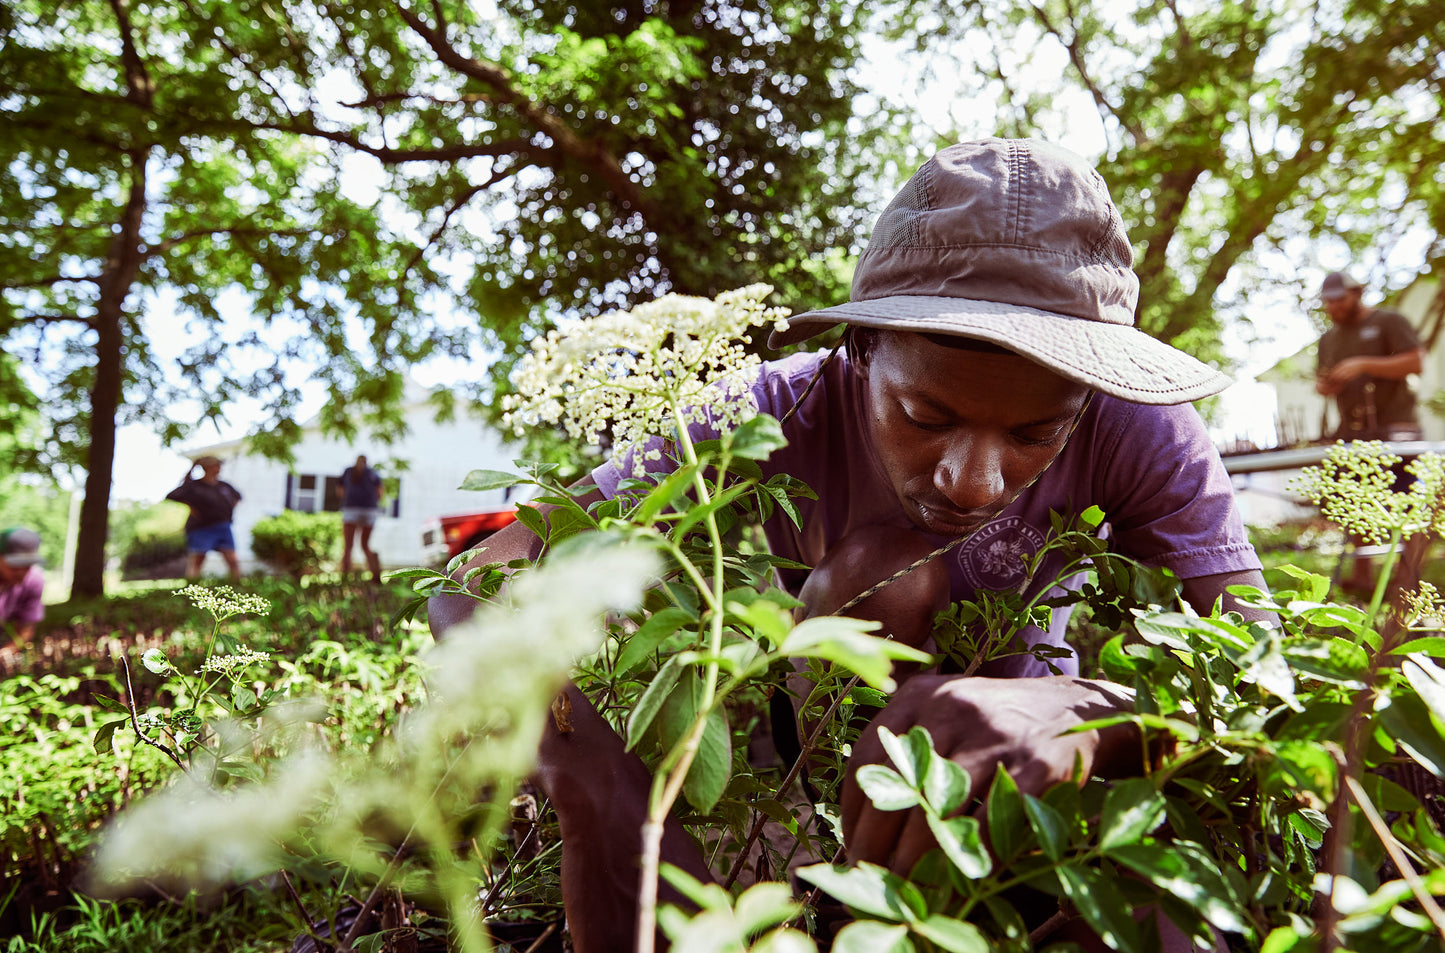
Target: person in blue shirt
x,y
361,493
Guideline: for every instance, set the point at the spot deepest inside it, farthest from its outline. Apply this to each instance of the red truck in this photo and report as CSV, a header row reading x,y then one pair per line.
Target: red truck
x,y
442,537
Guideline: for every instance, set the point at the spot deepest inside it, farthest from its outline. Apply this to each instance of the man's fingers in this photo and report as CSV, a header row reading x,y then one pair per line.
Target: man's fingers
x,y
874,834
915,841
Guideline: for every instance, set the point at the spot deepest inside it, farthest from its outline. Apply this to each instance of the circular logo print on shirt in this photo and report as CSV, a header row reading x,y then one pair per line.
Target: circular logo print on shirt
x,y
994,557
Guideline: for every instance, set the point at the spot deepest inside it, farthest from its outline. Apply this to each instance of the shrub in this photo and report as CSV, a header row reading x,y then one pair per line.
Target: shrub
x,y
297,543
151,556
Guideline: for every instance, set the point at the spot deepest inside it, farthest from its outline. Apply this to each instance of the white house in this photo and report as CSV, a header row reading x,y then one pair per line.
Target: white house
x,y
422,471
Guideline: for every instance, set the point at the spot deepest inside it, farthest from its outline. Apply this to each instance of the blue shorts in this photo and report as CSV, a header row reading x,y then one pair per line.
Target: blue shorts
x,y
207,538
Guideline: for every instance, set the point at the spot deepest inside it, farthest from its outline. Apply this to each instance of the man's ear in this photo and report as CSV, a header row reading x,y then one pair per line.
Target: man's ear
x,y
858,343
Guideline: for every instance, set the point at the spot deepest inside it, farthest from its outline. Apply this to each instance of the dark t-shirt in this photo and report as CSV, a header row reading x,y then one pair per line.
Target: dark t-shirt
x,y
210,503
1368,405
360,491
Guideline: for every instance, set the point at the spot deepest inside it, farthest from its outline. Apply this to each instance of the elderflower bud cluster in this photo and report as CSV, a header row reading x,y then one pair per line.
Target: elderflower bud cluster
x,y
222,602
645,373
232,664
1424,608
1354,486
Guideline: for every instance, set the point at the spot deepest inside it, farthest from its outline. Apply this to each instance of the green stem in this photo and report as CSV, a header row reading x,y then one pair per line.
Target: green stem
x,y
1382,584
667,783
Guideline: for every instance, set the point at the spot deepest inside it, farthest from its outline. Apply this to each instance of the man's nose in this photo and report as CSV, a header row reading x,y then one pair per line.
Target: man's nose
x,y
970,474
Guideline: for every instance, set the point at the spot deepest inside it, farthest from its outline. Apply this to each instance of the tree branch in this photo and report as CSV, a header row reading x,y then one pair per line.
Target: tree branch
x,y
52,319
565,140
160,248
46,281
1107,110
455,206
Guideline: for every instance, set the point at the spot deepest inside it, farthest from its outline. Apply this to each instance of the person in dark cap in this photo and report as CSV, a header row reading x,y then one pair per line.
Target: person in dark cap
x,y
1365,359
208,526
21,586
990,372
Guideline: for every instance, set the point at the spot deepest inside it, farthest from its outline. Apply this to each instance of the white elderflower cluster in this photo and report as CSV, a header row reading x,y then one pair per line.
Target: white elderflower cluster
x,y
645,373
1354,486
232,664
222,602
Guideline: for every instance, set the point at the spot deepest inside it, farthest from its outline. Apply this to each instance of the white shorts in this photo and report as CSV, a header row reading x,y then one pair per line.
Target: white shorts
x,y
359,515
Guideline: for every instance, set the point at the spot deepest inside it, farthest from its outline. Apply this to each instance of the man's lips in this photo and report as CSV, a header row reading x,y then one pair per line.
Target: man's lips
x,y
946,521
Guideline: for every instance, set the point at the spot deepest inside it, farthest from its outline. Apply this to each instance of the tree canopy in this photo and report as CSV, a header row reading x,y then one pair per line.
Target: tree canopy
x,y
346,172
1246,140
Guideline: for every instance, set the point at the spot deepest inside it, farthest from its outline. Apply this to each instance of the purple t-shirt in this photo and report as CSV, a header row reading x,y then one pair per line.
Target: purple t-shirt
x,y
1152,470
20,604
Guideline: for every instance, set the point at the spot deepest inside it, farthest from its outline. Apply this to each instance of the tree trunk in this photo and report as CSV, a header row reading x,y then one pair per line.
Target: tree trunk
x,y
121,265
117,277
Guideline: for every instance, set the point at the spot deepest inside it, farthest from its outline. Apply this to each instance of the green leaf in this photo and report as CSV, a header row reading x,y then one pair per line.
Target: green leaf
x,y
756,438
702,511
1132,809
1432,645
1102,906
845,642
912,753
956,936
945,786
1187,874
155,661
110,704
652,633
242,698
105,735
1332,660
1313,586
653,698
1428,679
870,936
529,517
371,943
1008,829
1288,940
1406,719
711,767
768,620
672,487
868,889
886,788
1048,826
962,842
490,480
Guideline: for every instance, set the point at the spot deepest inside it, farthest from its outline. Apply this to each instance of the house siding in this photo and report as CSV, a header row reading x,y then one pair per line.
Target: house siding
x,y
438,456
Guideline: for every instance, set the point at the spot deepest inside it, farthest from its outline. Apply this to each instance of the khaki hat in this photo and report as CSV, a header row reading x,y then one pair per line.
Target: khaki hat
x,y
1015,242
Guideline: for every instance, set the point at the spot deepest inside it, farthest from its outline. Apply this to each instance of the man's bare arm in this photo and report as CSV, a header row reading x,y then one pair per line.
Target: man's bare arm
x,y
1201,592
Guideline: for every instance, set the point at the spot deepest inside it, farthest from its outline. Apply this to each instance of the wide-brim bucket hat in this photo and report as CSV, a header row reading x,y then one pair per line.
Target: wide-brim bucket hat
x,y
1015,242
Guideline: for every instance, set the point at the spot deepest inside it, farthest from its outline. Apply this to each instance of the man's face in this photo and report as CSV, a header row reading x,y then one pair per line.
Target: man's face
x,y
1344,309
960,433
10,575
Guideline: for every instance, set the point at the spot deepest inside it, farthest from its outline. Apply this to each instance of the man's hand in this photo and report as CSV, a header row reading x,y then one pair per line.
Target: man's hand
x,y
980,723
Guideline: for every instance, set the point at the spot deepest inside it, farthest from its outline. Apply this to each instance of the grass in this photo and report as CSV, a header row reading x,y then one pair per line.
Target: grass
x,y
328,639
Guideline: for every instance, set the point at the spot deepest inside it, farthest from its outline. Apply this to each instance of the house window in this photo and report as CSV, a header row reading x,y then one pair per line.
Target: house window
x,y
313,493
